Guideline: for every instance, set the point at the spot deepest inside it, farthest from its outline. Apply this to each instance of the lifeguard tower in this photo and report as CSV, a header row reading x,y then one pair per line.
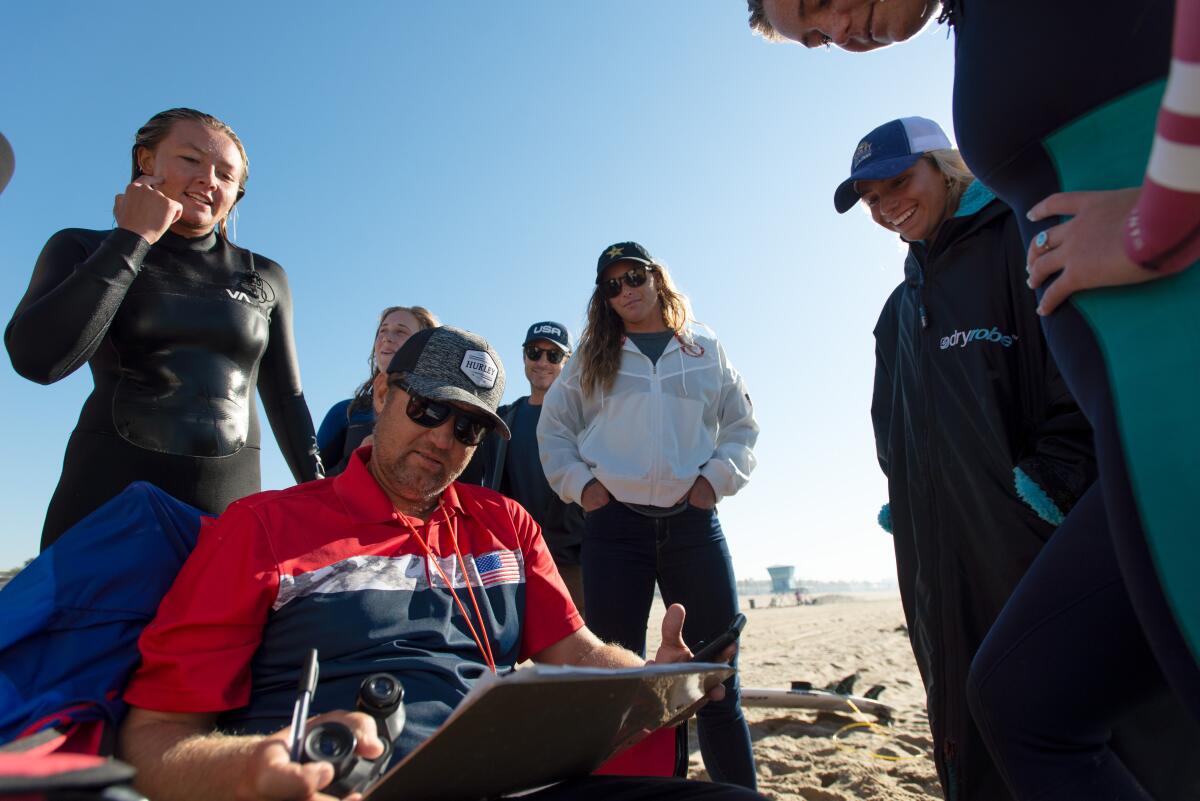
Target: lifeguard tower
x,y
781,578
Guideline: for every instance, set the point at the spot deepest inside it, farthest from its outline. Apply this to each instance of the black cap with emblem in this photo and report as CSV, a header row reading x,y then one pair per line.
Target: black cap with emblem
x,y
450,364
622,251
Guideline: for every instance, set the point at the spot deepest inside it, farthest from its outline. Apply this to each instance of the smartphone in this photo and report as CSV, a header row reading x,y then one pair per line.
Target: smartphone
x,y
711,652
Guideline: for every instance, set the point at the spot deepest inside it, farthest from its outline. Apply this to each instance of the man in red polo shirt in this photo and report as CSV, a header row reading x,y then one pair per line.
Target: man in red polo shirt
x,y
390,566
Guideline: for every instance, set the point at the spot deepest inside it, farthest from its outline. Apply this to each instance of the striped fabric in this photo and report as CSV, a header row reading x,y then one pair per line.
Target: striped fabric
x,y
1163,230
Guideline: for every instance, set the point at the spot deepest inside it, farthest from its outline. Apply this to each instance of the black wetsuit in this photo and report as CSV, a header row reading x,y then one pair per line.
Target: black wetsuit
x,y
1063,96
177,335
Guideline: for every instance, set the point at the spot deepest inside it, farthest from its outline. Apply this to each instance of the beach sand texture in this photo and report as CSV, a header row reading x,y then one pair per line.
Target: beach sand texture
x,y
801,755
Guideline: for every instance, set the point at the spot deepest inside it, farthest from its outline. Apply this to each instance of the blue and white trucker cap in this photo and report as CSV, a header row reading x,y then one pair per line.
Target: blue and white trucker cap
x,y
888,151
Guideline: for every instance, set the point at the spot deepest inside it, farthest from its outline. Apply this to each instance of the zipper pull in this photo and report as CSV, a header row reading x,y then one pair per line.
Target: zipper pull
x,y
924,316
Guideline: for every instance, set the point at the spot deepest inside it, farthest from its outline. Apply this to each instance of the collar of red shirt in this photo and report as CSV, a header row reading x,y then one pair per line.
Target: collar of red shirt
x,y
366,502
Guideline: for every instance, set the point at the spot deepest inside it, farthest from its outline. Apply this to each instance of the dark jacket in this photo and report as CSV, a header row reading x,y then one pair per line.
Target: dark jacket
x,y
967,399
562,523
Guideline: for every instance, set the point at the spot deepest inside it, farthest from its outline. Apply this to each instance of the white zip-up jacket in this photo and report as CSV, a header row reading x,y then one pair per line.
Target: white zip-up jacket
x,y
655,430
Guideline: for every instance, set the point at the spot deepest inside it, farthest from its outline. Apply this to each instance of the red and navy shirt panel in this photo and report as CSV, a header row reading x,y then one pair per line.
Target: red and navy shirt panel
x,y
330,565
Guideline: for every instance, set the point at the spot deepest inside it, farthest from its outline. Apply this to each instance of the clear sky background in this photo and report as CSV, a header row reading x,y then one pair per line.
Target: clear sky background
x,y
475,158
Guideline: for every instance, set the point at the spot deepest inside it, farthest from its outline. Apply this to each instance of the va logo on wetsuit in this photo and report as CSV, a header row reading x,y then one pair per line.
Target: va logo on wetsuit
x,y
252,289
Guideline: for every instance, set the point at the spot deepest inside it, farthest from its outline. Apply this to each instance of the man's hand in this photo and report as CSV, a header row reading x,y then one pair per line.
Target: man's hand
x,y
1088,250
144,210
270,774
674,649
594,496
179,757
702,495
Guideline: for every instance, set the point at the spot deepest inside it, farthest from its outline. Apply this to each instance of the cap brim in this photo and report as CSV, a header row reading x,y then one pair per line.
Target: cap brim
x,y
846,195
560,345
439,391
639,260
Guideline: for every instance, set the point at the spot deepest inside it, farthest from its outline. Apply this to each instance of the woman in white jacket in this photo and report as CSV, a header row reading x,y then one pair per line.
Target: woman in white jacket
x,y
646,429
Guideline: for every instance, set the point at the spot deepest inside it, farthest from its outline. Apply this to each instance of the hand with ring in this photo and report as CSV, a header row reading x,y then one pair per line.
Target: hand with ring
x,y
1086,251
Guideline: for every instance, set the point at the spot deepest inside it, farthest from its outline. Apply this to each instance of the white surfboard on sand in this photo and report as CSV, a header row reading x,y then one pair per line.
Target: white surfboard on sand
x,y
802,695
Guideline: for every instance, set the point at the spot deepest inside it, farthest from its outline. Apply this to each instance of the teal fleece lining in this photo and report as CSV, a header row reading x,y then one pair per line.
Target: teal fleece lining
x,y
974,199
1036,498
885,518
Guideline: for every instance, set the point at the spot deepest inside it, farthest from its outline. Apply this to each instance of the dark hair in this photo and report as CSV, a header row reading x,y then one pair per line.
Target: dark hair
x,y
150,135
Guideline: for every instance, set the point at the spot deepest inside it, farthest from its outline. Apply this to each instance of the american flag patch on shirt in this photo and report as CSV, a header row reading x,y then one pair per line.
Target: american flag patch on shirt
x,y
498,567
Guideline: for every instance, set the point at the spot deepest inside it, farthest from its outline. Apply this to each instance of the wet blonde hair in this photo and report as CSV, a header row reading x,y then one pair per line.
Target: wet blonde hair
x,y
600,346
425,319
150,135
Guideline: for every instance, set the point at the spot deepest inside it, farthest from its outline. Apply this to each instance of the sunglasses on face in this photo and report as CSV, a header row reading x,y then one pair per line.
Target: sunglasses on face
x,y
468,428
553,355
635,277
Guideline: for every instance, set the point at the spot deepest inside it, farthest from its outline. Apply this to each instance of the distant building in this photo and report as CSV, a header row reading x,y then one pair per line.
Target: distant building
x,y
781,578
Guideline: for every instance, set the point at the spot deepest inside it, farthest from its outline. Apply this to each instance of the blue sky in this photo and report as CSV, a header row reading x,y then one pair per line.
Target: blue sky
x,y
475,158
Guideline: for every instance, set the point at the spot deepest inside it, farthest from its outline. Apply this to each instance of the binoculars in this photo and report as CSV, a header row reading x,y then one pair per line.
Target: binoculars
x,y
382,697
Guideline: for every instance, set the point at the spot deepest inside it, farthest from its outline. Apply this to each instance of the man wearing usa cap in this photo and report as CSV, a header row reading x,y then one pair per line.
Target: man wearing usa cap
x,y
514,467
389,566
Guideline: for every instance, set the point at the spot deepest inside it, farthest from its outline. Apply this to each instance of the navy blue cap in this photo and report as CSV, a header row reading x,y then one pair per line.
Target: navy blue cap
x,y
621,251
888,151
551,332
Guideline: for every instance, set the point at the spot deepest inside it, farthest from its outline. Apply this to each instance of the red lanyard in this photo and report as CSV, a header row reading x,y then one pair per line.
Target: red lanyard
x,y
480,636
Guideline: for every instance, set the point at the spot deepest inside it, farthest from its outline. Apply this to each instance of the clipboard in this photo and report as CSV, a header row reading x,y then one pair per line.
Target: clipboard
x,y
542,725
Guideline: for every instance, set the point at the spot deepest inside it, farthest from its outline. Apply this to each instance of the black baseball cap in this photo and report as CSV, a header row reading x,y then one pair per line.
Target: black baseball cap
x,y
450,364
621,251
551,332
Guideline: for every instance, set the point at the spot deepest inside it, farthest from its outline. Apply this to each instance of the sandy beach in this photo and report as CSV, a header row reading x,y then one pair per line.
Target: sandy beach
x,y
811,756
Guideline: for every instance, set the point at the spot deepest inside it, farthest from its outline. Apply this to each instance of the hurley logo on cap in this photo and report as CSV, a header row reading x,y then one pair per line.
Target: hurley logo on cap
x,y
861,153
478,366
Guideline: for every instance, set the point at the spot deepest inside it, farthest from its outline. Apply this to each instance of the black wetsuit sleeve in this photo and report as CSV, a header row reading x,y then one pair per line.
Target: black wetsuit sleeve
x,y
279,386
71,301
1058,454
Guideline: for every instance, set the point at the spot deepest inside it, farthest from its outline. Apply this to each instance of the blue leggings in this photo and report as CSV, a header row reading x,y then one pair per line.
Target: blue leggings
x,y
624,555
1087,635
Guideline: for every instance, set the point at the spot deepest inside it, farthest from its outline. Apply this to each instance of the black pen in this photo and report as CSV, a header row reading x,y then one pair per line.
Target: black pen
x,y
304,694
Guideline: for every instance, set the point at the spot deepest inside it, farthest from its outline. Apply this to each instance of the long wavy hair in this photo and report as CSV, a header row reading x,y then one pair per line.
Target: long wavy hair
x,y
363,395
156,129
600,346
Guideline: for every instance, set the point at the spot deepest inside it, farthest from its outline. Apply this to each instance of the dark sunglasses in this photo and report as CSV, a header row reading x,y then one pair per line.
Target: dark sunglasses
x,y
468,428
635,277
553,355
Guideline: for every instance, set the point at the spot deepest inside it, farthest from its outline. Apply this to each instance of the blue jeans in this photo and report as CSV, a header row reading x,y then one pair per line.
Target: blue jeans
x,y
624,555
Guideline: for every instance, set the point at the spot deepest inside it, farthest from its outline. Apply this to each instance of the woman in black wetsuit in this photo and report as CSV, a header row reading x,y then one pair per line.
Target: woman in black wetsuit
x,y
1064,97
178,325
351,422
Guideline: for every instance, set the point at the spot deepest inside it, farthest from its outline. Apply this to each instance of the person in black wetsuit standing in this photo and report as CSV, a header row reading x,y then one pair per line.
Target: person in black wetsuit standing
x,y
1065,110
178,325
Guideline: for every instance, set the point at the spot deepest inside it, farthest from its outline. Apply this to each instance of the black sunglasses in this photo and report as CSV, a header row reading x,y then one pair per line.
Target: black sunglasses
x,y
553,355
469,429
635,277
